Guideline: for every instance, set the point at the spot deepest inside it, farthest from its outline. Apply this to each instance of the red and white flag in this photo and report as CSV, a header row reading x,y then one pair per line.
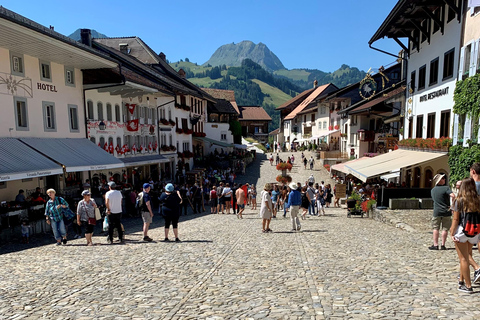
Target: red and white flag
x,y
132,125
141,148
110,148
131,107
134,148
150,148
155,146
105,147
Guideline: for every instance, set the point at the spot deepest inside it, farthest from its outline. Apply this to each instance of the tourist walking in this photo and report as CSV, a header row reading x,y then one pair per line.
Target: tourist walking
x,y
466,209
253,193
311,199
146,210
275,197
312,162
113,202
442,216
170,202
305,202
240,195
328,195
227,196
266,208
305,161
213,200
86,215
54,216
320,200
221,199
293,203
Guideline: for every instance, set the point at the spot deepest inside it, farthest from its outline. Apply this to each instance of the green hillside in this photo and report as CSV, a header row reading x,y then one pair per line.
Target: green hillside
x,y
273,95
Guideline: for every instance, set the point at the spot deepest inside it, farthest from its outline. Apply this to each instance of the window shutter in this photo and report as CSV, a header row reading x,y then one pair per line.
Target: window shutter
x,y
460,68
474,60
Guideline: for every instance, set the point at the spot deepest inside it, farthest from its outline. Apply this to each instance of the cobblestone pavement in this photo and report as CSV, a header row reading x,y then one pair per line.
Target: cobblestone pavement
x,y
226,268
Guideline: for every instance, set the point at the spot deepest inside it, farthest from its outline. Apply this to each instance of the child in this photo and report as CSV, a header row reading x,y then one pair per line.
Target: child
x,y
25,231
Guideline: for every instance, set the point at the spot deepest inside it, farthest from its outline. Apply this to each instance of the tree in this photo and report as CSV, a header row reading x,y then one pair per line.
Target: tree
x,y
187,60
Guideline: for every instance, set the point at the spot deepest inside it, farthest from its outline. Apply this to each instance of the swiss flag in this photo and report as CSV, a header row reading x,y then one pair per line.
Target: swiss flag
x,y
105,147
141,148
132,125
134,148
131,107
110,148
118,149
155,146
150,148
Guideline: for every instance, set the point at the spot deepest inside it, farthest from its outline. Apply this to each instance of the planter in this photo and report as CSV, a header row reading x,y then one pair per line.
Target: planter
x,y
403,204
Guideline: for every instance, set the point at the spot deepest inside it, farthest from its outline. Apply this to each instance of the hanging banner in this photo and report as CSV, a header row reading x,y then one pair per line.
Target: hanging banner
x,y
455,129
131,107
132,125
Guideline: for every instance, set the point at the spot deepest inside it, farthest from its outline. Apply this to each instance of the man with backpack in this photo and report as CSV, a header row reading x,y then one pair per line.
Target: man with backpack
x,y
145,205
442,215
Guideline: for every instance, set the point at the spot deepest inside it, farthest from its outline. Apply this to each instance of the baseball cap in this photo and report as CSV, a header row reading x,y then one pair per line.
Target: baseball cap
x,y
85,193
146,185
112,184
169,187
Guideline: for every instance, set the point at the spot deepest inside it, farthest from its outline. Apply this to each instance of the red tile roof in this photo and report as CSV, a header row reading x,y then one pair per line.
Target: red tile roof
x,y
253,113
316,93
295,101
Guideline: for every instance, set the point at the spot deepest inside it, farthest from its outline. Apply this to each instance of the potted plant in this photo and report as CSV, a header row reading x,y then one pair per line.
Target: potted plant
x,y
284,179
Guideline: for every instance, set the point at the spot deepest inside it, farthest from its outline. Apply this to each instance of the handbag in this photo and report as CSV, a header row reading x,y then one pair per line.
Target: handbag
x,y
92,221
68,213
98,215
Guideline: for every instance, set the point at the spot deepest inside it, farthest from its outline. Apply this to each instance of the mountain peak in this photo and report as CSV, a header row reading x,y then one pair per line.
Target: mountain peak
x,y
233,54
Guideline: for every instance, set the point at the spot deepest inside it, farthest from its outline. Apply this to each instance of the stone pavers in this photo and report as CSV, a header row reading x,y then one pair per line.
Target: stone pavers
x,y
226,268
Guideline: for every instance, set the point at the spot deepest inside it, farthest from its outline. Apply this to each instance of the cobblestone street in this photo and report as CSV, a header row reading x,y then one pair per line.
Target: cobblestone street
x,y
226,268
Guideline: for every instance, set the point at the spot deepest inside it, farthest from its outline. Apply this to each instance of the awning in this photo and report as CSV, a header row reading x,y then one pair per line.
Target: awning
x,y
341,166
240,146
216,142
390,176
19,161
390,161
393,119
144,160
75,154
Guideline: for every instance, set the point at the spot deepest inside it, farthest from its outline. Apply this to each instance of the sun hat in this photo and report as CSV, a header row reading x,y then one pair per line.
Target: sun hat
x,y
267,187
146,185
112,184
169,187
85,193
437,178
293,186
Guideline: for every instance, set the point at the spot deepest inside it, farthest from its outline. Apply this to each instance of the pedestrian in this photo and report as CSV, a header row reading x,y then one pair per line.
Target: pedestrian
x,y
284,199
253,192
271,159
234,198
213,200
305,202
328,195
196,192
293,203
277,159
320,200
227,195
25,231
86,215
170,201
113,202
442,216
311,179
275,198
221,199
184,196
311,198
305,161
466,208
240,195
312,162
146,210
292,159
54,216
266,208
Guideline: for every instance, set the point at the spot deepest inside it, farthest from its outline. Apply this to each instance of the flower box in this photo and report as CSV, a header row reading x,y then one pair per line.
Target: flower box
x,y
285,180
171,122
179,131
165,148
337,127
164,121
284,166
330,128
172,148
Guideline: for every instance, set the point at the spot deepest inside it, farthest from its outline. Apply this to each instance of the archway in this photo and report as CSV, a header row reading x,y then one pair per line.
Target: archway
x,y
428,178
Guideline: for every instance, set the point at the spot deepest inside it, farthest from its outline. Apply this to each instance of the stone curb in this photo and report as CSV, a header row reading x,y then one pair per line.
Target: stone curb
x,y
387,218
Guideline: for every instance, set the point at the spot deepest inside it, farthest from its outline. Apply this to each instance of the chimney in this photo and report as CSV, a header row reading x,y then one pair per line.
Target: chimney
x,y
86,37
315,83
52,28
181,73
162,56
124,48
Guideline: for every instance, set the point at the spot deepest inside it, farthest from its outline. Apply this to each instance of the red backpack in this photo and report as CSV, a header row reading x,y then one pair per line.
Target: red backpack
x,y
471,224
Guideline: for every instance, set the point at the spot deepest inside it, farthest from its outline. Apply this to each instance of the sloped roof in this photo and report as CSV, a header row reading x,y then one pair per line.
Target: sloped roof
x,y
228,95
316,93
274,132
295,101
253,113
222,106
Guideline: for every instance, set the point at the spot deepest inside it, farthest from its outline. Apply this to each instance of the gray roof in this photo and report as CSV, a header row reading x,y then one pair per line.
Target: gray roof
x,y
143,160
18,161
75,154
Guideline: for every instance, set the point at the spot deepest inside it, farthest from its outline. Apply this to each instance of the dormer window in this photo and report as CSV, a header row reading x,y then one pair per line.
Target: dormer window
x,y
124,48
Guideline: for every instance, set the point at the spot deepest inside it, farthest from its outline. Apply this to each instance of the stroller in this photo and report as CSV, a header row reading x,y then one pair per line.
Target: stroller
x,y
352,208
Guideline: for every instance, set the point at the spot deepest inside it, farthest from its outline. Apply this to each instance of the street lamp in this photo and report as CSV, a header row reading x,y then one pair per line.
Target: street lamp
x,y
102,125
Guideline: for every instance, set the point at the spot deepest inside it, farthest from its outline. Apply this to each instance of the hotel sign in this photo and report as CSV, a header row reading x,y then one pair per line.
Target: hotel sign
x,y
434,94
46,87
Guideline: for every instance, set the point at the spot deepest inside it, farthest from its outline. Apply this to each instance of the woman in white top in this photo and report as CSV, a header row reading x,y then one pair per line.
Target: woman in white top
x,y
227,196
266,208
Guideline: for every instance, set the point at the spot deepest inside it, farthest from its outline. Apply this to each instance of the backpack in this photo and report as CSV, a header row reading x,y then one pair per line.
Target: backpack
x,y
471,224
139,201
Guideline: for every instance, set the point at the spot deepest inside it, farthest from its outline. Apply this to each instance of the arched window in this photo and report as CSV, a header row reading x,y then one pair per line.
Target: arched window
x,y
109,112
117,113
428,178
90,110
102,142
93,140
100,111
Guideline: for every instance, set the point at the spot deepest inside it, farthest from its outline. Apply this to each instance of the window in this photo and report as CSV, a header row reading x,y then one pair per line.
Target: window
x,y
90,110
466,60
109,112
422,72
431,125
412,81
433,72
170,139
119,142
305,118
410,128
117,113
73,117
186,146
70,77
21,113
419,131
49,122
100,111
425,26
324,124
93,140
438,14
448,62
323,110
184,124
445,123
102,143
45,73
17,67
223,136
312,118
451,12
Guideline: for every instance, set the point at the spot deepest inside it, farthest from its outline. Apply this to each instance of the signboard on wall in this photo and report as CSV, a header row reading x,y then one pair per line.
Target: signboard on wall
x,y
340,190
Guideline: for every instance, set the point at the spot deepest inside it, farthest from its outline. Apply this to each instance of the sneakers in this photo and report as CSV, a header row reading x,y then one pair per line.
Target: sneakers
x,y
177,240
443,248
476,276
463,288
147,238
166,240
433,247
298,228
64,241
59,243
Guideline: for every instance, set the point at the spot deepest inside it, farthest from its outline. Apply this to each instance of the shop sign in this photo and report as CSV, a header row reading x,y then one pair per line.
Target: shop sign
x,y
434,94
46,87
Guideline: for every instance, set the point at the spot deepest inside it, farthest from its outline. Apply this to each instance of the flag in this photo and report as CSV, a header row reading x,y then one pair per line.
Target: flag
x,y
132,125
155,146
105,147
134,148
110,148
150,148
141,148
131,107
118,149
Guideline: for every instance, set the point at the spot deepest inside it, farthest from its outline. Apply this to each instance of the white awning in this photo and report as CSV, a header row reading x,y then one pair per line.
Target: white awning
x,y
390,176
341,166
144,160
390,161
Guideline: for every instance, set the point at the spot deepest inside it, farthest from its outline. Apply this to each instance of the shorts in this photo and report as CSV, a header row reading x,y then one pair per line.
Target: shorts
x,y
445,221
463,238
240,206
146,217
171,220
221,200
88,227
25,234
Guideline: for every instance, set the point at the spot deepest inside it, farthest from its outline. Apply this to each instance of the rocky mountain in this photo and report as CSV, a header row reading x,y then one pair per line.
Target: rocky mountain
x,y
233,54
76,35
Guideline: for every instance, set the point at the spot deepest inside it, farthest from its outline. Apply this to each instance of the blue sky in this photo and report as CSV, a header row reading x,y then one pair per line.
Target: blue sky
x,y
314,34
